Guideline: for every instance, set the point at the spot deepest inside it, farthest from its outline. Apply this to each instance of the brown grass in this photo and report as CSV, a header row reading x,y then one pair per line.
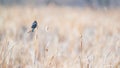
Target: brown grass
x,y
65,38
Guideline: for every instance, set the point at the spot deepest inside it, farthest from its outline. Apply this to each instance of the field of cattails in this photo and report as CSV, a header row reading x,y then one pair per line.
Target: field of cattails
x,y
66,37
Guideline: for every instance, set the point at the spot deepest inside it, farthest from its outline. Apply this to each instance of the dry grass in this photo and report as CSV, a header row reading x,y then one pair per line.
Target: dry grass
x,y
65,38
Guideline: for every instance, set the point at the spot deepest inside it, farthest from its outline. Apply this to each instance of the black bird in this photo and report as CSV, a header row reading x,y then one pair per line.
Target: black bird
x,y
34,25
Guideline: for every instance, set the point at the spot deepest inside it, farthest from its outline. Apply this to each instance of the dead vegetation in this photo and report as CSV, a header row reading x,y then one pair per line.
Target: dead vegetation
x,y
65,38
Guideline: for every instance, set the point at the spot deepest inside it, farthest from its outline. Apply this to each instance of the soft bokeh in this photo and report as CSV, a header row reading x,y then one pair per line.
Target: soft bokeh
x,y
65,38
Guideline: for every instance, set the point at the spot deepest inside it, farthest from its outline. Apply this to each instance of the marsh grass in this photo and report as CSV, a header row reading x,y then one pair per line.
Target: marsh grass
x,y
65,38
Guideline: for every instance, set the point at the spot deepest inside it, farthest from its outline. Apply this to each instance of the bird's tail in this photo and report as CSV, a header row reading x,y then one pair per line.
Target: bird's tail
x,y
33,30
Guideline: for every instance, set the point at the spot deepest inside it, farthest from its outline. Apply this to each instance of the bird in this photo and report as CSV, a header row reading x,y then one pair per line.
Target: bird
x,y
34,25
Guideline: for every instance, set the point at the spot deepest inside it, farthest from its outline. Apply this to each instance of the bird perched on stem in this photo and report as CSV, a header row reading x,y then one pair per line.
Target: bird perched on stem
x,y
34,25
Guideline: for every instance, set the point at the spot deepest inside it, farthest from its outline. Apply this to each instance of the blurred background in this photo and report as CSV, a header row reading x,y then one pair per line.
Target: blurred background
x,y
70,34
78,3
